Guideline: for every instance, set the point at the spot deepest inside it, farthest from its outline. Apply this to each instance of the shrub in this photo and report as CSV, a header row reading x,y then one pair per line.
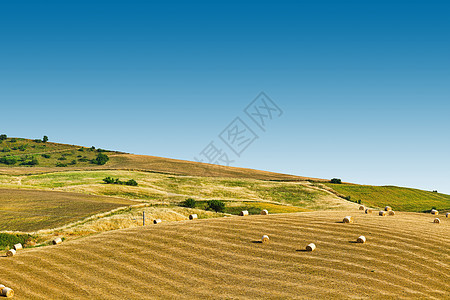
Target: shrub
x,y
131,182
3,137
336,180
45,155
101,159
189,202
61,165
81,149
37,141
92,148
62,158
84,159
216,205
13,140
6,149
30,162
8,160
73,162
45,139
23,147
108,180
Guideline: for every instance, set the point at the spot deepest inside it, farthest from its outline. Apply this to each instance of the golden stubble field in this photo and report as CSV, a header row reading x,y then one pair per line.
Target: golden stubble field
x,y
406,256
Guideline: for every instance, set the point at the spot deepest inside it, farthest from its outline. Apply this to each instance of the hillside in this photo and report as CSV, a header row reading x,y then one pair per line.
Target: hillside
x,y
406,256
72,157
399,198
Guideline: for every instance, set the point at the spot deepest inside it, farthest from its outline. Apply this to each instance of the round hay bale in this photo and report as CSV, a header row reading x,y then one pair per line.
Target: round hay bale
x,y
434,212
362,207
17,246
437,221
11,253
7,292
447,214
348,219
387,208
265,239
193,216
391,213
382,213
244,213
264,212
157,221
57,241
311,247
1,288
361,239
368,211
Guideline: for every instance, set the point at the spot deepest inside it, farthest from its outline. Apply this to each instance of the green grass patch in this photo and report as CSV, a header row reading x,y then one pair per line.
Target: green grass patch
x,y
8,240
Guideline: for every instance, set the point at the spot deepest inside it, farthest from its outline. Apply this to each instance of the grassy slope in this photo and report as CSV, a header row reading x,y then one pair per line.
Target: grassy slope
x,y
399,198
158,188
405,257
31,210
48,154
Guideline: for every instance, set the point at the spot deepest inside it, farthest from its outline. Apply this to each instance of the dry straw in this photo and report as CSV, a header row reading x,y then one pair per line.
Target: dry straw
x,y
7,292
11,253
382,213
391,213
368,210
348,219
57,241
434,212
244,213
17,246
157,221
193,216
265,239
437,220
264,212
387,208
362,207
311,247
361,239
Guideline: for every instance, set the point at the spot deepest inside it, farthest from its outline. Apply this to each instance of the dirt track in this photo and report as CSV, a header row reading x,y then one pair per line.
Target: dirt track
x,y
406,256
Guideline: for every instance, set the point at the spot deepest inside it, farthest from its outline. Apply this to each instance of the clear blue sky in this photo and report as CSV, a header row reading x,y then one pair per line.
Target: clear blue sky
x,y
364,86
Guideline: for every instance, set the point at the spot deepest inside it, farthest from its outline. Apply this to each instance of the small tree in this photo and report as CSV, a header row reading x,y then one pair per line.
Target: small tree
x,y
336,180
45,139
3,137
216,205
189,202
101,159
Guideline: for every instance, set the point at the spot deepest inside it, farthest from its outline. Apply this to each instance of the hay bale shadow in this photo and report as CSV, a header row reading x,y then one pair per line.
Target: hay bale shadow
x,y
353,242
257,242
302,250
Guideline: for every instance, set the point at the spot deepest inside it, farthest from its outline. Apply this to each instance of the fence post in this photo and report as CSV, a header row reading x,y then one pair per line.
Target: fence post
x,y
143,218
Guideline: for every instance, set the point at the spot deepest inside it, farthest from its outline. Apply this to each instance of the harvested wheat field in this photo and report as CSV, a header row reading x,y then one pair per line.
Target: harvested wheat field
x,y
405,256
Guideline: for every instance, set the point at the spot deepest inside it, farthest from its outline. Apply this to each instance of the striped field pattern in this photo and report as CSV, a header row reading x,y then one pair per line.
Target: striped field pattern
x,y
406,256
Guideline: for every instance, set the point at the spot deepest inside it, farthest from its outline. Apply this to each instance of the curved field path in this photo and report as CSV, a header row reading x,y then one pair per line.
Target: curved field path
x,y
406,256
